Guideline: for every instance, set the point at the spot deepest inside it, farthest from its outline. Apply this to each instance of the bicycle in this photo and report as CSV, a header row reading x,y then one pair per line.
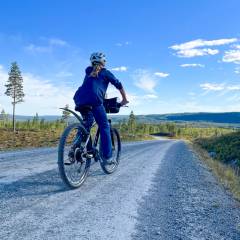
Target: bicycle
x,y
75,154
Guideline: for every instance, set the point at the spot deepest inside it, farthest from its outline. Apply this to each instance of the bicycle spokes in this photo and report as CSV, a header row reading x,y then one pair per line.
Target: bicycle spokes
x,y
73,167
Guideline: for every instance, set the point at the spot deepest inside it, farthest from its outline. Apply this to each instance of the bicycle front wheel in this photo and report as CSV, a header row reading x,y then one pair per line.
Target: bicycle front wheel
x,y
116,153
73,168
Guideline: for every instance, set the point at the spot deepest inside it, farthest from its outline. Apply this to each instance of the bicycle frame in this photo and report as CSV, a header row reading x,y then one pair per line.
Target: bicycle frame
x,y
96,138
98,134
74,113
80,153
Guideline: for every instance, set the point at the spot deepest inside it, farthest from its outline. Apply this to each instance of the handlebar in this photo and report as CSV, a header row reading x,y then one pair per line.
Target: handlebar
x,y
112,105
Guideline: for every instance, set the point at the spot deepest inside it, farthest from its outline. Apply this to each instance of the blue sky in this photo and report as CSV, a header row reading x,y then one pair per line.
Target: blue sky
x,y
171,56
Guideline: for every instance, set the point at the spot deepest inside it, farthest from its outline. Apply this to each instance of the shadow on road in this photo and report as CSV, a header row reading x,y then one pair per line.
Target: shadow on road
x,y
42,184
45,183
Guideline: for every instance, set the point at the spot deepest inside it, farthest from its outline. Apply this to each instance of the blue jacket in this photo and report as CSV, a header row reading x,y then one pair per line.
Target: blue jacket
x,y
93,89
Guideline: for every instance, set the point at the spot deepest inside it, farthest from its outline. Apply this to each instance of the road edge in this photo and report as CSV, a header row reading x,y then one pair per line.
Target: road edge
x,y
224,174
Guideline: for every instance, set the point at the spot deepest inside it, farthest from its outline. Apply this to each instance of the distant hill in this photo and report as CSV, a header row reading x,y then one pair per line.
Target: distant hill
x,y
221,118
229,117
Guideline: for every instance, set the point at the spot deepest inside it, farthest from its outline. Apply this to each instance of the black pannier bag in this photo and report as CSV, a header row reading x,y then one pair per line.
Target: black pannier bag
x,y
111,105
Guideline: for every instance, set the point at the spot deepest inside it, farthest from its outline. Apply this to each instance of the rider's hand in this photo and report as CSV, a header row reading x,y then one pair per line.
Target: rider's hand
x,y
124,102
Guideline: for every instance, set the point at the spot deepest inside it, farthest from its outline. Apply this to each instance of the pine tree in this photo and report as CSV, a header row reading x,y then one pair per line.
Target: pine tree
x,y
28,123
65,114
3,116
132,122
57,124
36,118
42,123
15,88
35,121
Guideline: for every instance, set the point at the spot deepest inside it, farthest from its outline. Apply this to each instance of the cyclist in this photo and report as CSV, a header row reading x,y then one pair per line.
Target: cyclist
x,y
92,93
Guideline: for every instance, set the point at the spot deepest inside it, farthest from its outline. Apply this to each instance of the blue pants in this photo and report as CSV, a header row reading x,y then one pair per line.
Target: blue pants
x,y
99,114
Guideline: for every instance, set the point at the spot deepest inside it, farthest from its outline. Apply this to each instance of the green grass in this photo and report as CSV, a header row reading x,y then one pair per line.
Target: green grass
x,y
226,147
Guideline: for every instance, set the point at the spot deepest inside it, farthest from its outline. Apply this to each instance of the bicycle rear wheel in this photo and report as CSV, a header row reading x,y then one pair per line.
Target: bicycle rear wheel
x,y
73,168
116,152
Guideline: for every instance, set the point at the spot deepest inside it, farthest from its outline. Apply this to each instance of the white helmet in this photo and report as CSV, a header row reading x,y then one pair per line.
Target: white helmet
x,y
98,57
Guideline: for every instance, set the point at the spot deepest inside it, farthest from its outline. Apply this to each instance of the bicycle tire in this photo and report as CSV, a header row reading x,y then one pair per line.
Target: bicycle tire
x,y
106,168
61,163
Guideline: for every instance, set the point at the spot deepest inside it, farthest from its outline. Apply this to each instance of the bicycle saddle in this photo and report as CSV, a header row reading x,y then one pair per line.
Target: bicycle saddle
x,y
83,108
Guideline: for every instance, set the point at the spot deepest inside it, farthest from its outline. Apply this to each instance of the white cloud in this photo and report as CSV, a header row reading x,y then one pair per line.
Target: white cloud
x,y
196,106
202,43
236,46
192,65
120,69
233,88
47,47
237,70
234,98
218,87
198,47
232,56
64,74
145,80
57,42
44,96
143,104
213,86
121,44
41,95
38,49
161,74
134,99
3,80
195,52
150,96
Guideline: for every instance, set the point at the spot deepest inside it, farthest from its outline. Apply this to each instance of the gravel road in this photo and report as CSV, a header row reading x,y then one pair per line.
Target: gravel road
x,y
160,191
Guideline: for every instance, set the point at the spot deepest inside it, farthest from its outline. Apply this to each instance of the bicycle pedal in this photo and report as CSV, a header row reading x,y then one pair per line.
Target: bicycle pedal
x,y
68,163
87,155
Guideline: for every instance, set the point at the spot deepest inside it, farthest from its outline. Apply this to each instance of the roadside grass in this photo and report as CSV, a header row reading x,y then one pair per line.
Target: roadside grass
x,y
46,138
25,138
225,148
224,173
135,137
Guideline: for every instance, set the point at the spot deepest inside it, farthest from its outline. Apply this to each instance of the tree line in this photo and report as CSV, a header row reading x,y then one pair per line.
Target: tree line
x,y
170,129
36,123
128,126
